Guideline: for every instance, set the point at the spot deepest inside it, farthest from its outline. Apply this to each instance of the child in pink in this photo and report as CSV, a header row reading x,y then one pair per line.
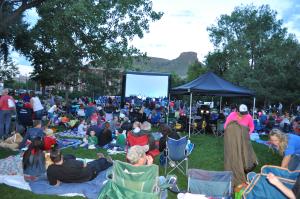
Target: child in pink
x,y
242,117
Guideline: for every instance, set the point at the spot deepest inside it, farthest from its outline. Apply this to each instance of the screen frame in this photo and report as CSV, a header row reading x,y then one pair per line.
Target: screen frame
x,y
124,80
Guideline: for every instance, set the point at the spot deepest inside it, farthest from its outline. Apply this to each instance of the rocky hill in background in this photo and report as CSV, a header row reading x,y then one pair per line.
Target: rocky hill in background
x,y
179,65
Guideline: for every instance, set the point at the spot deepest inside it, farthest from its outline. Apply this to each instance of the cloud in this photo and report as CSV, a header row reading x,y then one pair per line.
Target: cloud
x,y
183,25
25,70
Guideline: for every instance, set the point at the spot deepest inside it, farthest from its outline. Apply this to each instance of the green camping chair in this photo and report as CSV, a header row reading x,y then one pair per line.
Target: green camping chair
x,y
132,182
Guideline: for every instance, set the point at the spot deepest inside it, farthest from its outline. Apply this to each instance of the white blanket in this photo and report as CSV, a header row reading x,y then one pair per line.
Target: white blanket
x,y
19,182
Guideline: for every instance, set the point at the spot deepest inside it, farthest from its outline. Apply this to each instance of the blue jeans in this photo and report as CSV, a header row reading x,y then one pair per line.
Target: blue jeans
x,y
98,165
5,119
38,114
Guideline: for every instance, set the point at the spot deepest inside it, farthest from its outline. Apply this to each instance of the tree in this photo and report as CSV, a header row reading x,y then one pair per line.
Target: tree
x,y
195,70
252,49
176,80
7,69
12,27
74,35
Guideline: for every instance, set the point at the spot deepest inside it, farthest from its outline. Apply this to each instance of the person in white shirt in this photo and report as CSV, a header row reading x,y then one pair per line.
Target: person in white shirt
x,y
36,106
82,128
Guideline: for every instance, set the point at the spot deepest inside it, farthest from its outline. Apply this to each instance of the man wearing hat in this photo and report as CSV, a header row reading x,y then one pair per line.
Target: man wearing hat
x,y
242,117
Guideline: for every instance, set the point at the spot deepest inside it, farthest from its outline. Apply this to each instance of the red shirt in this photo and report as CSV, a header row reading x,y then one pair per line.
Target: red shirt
x,y
4,103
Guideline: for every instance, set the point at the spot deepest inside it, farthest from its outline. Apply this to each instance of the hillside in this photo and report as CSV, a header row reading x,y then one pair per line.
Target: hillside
x,y
179,65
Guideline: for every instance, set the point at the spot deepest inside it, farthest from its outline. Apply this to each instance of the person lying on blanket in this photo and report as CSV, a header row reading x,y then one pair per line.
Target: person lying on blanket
x,y
289,146
74,171
289,193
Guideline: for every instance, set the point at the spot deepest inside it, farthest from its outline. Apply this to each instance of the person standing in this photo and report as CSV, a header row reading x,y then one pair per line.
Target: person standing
x,y
36,106
239,156
7,105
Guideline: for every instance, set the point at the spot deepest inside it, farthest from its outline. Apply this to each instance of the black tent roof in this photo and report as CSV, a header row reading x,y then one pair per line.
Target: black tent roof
x,y
211,84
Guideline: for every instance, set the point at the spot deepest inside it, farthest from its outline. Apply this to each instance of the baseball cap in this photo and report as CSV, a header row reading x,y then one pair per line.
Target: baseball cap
x,y
136,152
243,108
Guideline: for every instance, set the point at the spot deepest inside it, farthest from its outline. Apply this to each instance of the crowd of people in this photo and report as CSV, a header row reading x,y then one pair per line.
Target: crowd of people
x,y
103,123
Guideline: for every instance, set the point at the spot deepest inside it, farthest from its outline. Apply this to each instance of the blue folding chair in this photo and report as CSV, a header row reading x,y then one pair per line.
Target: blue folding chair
x,y
177,155
257,125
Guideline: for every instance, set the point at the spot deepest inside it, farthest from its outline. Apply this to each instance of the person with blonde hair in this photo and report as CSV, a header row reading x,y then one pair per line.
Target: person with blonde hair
x,y
288,145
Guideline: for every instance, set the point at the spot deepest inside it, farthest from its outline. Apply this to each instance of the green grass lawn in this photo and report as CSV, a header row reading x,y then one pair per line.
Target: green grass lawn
x,y
208,155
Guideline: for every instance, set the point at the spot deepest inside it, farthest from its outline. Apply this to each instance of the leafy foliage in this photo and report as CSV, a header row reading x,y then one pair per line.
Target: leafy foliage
x,y
196,69
74,35
252,49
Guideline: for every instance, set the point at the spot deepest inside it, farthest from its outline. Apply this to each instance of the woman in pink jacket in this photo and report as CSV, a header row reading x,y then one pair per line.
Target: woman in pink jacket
x,y
242,117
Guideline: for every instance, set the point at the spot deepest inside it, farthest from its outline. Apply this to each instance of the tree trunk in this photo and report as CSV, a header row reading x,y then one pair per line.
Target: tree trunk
x,y
67,94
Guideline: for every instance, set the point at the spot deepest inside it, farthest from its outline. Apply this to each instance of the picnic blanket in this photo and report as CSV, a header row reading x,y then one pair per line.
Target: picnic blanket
x,y
264,142
90,189
67,142
11,165
71,133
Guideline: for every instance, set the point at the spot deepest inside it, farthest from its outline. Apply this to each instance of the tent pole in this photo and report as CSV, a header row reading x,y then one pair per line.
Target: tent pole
x,y
254,99
220,104
190,118
168,109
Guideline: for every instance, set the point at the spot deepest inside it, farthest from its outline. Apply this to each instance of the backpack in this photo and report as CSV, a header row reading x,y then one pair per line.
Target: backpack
x,y
11,103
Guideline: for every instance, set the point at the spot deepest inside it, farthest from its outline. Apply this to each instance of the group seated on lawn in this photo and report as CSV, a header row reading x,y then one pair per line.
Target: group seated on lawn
x,y
42,161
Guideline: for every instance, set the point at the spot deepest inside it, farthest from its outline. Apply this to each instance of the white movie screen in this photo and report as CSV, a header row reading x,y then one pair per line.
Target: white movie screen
x,y
147,85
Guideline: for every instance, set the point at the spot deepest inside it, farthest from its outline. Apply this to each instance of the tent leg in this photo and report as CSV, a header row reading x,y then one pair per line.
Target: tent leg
x,y
254,99
190,118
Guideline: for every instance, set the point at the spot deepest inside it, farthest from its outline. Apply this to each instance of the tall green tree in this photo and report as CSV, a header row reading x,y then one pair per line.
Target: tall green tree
x,y
252,49
195,70
176,80
74,35
13,29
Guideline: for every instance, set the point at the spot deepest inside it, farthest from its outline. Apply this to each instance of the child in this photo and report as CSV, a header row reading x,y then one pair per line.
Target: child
x,y
82,128
92,140
32,133
121,138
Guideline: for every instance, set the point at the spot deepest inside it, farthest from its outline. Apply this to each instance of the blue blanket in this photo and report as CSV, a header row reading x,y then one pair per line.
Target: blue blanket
x,y
67,142
90,189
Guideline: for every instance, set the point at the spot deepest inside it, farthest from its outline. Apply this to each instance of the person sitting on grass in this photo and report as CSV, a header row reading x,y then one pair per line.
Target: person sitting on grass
x,y
74,171
82,127
289,146
105,136
32,133
34,160
166,132
90,141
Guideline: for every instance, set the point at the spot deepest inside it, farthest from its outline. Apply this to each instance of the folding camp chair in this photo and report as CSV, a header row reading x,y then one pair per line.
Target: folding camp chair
x,y
220,128
257,126
176,155
210,183
132,182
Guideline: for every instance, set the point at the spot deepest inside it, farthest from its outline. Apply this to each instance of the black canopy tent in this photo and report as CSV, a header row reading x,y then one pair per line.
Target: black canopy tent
x,y
212,85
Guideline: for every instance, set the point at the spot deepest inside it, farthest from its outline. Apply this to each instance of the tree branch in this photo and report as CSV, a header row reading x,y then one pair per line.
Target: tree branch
x,y
24,6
